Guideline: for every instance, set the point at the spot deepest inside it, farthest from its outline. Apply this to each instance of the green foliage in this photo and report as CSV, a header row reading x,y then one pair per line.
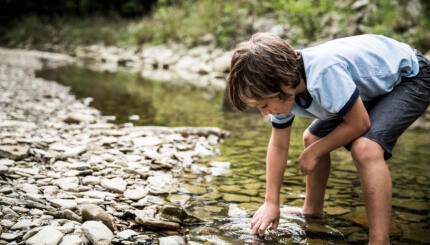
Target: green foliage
x,y
305,14
35,32
191,20
228,22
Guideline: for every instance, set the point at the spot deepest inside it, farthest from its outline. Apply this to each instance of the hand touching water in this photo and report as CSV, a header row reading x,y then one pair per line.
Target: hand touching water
x,y
267,214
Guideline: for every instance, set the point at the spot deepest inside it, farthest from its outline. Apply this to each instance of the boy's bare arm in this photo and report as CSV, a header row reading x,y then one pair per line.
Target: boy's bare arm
x,y
356,123
277,156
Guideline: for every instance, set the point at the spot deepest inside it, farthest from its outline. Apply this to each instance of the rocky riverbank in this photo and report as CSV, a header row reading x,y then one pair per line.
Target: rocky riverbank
x,y
70,177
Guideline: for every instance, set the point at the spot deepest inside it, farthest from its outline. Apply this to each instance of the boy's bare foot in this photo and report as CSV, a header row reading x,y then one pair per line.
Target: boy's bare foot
x,y
298,211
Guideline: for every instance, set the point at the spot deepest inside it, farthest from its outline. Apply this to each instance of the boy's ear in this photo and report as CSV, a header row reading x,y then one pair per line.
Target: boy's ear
x,y
288,90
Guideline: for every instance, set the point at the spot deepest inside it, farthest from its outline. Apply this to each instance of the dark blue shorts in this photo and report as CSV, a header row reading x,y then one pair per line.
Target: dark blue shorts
x,y
390,114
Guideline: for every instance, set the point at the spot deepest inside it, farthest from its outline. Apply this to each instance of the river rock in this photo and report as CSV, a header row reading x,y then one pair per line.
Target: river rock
x,y
156,223
71,239
97,233
14,152
115,184
126,234
171,240
68,155
136,193
48,235
94,212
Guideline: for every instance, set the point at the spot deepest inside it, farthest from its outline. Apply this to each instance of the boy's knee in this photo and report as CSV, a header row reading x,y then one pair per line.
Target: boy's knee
x,y
309,138
364,151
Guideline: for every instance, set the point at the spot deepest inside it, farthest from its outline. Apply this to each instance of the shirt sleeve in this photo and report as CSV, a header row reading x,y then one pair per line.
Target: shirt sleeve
x,y
335,90
282,121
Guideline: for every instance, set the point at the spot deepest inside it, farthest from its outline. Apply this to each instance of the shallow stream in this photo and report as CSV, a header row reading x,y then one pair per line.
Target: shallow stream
x,y
226,190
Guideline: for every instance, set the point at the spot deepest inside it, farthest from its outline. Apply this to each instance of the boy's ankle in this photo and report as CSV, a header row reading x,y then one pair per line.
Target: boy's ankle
x,y
383,240
309,212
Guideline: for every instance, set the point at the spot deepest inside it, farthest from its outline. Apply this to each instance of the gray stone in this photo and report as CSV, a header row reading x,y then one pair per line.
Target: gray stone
x,y
171,240
126,234
14,152
68,184
71,239
160,224
94,212
3,168
97,233
9,236
23,224
64,203
115,184
136,193
48,236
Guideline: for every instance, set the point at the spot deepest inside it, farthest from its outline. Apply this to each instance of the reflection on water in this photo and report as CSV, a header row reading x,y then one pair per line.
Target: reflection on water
x,y
227,197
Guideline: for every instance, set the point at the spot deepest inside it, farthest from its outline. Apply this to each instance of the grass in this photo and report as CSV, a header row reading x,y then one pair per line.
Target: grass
x,y
228,22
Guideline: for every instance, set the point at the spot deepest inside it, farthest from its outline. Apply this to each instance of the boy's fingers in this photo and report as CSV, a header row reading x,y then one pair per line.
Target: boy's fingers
x,y
255,227
263,227
275,224
254,220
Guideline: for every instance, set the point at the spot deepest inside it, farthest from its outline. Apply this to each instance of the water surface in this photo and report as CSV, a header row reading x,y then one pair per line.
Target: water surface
x,y
234,188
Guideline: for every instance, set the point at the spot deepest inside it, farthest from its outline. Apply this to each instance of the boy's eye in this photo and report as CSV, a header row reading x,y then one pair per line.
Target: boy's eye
x,y
263,106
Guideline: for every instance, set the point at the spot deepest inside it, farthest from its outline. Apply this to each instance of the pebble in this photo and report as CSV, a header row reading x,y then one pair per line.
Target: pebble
x,y
65,178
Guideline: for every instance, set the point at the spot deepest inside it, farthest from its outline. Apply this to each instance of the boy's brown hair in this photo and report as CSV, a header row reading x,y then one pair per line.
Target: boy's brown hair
x,y
259,67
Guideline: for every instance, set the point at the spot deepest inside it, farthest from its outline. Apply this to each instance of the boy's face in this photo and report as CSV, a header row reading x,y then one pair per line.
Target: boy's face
x,y
275,106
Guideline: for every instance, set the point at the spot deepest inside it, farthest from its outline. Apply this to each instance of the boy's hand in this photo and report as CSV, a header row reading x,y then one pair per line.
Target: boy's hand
x,y
267,214
307,161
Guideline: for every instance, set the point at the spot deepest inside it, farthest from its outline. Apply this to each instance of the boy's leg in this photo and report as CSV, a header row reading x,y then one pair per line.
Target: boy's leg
x,y
390,116
315,182
375,181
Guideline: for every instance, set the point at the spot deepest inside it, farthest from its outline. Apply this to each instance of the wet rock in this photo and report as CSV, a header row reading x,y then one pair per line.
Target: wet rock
x,y
323,231
192,189
97,233
177,214
411,204
235,198
360,217
180,199
336,210
158,224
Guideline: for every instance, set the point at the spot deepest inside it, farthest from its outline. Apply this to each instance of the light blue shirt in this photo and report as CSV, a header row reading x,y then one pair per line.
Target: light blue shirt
x,y
339,71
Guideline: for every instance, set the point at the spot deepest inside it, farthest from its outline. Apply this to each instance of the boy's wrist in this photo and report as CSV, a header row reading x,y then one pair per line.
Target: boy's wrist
x,y
271,200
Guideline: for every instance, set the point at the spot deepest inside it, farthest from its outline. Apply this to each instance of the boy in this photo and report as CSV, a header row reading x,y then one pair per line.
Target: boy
x,y
364,92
